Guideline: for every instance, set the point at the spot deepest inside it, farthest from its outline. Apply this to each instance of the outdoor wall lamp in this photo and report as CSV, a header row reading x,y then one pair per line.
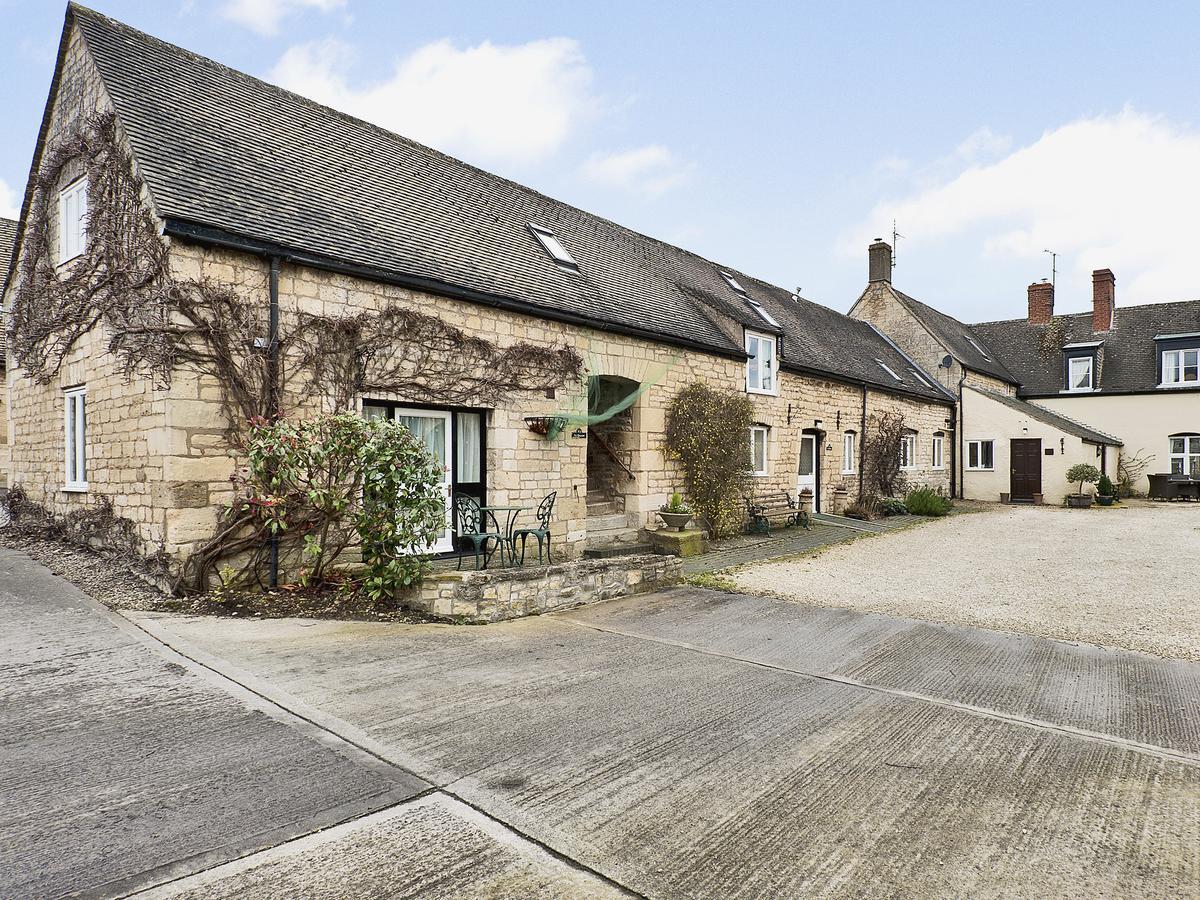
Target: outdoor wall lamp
x,y
547,426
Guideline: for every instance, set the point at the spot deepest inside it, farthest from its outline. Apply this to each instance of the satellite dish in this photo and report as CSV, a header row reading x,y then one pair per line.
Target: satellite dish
x,y
945,363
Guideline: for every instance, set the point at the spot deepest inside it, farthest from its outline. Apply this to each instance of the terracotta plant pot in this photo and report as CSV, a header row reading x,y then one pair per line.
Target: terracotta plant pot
x,y
676,520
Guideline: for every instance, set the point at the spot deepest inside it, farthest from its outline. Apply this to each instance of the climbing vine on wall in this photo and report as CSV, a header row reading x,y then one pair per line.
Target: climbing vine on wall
x,y
157,323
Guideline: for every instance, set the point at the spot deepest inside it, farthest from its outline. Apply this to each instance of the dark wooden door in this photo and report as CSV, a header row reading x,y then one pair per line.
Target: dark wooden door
x,y
1026,468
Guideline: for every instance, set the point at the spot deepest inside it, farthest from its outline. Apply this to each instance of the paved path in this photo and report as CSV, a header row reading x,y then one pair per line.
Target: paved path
x,y
783,542
700,744
124,765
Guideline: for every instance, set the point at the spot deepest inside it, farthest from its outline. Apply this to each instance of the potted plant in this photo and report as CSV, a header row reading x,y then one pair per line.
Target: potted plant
x,y
1081,474
676,513
1105,493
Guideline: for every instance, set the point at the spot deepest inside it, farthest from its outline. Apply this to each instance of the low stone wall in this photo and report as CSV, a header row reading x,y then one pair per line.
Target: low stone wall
x,y
493,595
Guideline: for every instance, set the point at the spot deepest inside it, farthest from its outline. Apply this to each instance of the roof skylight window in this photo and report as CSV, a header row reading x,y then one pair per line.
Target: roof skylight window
x,y
921,379
763,314
554,247
976,346
733,283
885,368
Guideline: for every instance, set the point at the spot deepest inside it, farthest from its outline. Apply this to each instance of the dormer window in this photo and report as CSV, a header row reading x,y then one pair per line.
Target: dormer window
x,y
554,247
760,367
887,369
733,283
1181,367
72,220
1079,373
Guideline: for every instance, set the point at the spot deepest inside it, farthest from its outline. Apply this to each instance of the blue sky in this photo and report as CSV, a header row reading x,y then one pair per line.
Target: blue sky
x,y
775,138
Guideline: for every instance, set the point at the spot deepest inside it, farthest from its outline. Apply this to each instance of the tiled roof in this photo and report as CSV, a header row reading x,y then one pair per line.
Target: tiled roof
x,y
956,337
222,150
1059,421
1129,357
8,240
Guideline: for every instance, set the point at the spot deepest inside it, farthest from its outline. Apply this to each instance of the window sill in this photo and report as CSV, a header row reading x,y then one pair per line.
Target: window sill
x,y
75,488
848,472
761,392
1175,387
1078,391
993,469
760,474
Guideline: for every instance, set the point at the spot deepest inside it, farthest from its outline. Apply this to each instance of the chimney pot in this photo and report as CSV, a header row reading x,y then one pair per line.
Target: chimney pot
x,y
879,255
1041,303
1104,299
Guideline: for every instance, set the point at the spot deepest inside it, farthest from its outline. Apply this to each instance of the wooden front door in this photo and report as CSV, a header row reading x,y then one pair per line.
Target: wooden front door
x,y
1025,461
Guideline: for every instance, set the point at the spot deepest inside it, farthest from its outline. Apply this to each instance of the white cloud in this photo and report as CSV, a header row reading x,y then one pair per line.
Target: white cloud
x,y
1114,191
490,101
8,201
982,143
264,16
651,170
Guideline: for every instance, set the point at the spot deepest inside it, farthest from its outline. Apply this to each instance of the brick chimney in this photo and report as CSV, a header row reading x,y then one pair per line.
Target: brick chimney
x,y
1104,299
1041,303
880,256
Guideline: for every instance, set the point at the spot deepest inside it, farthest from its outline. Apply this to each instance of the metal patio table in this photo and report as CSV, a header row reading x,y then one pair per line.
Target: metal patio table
x,y
510,513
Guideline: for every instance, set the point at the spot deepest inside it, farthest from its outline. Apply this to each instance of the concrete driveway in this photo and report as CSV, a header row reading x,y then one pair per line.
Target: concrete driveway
x,y
125,766
699,744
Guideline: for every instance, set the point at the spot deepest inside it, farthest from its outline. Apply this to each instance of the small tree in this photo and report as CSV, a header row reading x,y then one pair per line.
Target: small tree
x,y
881,455
1081,474
708,433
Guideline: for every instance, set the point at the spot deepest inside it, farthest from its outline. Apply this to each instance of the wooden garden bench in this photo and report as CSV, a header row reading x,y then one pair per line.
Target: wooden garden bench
x,y
774,507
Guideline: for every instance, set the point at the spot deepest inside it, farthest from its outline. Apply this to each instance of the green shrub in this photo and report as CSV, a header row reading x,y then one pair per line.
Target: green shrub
x,y
865,509
1104,487
893,506
925,501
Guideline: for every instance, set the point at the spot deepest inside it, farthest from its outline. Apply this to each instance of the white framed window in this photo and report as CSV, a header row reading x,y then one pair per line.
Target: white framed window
x,y
75,434
758,449
981,455
760,367
1185,455
72,220
849,442
552,245
1079,373
1180,367
908,451
935,456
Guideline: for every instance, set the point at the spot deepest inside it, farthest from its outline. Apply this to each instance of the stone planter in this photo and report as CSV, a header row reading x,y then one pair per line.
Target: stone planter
x,y
1079,501
806,504
839,501
676,520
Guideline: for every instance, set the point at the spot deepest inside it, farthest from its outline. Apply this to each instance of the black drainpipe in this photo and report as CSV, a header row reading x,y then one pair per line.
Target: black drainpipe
x,y
961,462
862,444
273,390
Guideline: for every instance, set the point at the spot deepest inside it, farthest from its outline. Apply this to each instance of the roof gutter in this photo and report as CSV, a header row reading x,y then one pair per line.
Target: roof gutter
x,y
205,234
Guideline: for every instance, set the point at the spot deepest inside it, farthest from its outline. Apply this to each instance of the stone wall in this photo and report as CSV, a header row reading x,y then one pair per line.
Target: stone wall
x,y
498,594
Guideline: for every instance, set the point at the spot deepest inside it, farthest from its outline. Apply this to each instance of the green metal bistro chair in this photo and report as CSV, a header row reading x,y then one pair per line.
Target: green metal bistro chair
x,y
542,532
469,524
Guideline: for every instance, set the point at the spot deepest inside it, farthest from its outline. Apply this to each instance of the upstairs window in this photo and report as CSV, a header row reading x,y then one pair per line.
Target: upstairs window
x,y
849,439
908,451
554,247
1079,373
72,220
75,439
1185,455
1180,367
760,367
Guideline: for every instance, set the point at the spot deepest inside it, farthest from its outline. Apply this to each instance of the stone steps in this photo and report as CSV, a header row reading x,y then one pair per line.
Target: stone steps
x,y
602,508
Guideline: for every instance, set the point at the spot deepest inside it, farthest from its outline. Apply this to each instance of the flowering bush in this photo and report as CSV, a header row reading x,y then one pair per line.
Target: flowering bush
x,y
708,433
324,485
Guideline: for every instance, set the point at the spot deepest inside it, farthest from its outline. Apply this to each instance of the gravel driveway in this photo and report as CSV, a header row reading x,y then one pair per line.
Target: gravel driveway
x,y
1123,577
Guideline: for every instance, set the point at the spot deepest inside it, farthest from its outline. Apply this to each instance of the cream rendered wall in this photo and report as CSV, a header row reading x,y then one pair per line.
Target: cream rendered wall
x,y
1142,421
986,419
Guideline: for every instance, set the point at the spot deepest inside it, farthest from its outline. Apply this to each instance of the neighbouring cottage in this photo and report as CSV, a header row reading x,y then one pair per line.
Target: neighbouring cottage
x,y
8,237
318,220
1026,387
